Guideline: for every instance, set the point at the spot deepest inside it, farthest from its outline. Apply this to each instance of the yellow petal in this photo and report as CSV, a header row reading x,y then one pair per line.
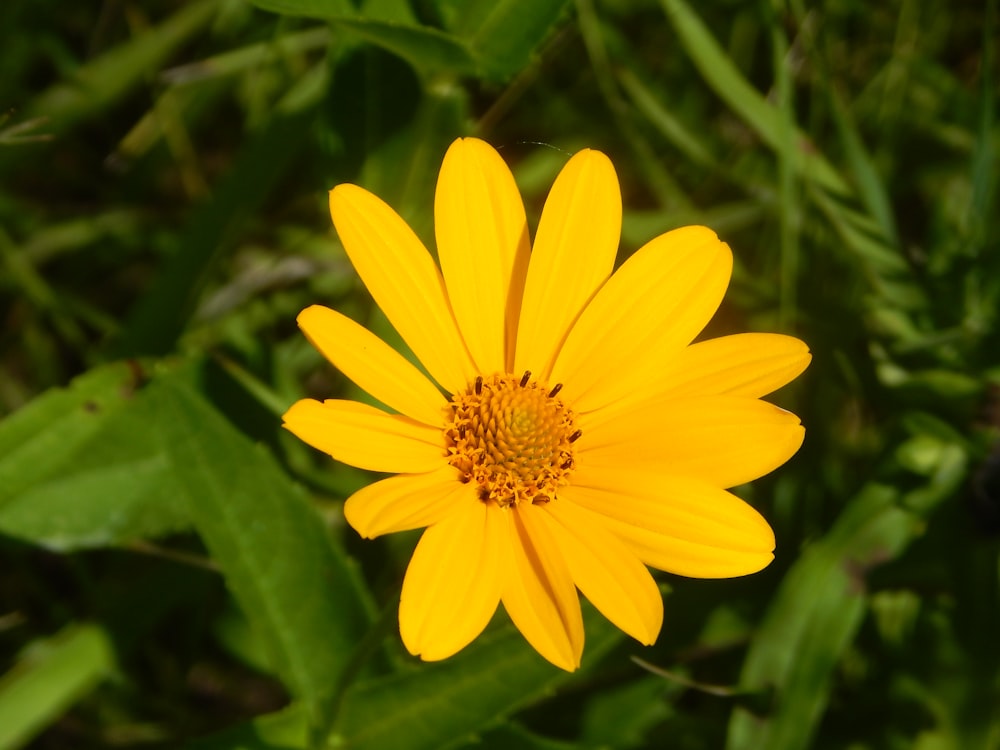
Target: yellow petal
x,y
366,437
607,572
573,254
483,246
539,594
452,585
405,501
374,365
724,440
745,364
403,281
680,525
647,312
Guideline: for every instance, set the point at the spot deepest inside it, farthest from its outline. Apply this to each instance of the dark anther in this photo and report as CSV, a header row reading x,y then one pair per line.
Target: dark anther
x,y
484,494
479,384
567,464
465,479
555,389
575,436
461,431
525,378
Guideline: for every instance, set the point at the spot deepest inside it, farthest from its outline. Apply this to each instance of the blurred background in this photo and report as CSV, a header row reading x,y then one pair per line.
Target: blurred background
x,y
174,567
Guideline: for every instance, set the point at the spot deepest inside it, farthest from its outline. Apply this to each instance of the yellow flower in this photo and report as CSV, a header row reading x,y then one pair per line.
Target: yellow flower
x,y
569,434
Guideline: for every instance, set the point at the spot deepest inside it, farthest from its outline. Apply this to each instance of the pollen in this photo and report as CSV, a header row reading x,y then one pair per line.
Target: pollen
x,y
512,438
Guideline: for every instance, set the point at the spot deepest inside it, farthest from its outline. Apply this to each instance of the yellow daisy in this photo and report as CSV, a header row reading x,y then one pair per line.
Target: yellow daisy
x,y
569,434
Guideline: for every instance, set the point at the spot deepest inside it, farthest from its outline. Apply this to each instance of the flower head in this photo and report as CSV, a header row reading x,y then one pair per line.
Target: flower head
x,y
569,433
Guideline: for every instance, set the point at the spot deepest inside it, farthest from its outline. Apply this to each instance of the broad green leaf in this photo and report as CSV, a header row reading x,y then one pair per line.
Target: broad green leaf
x,y
79,466
293,583
496,39
425,48
511,735
283,730
813,618
48,677
440,705
510,32
286,730
620,718
434,705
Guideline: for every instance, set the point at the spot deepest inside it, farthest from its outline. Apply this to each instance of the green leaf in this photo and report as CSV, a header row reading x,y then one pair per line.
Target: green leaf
x,y
510,32
813,618
511,735
79,466
436,705
283,730
621,718
294,585
48,677
425,48
439,705
110,459
497,39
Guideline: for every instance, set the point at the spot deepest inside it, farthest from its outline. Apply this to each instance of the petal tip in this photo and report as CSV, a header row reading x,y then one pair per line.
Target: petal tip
x,y
310,314
595,158
297,410
344,197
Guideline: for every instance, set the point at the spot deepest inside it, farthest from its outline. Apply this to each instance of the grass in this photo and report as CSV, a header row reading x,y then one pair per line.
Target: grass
x,y
163,178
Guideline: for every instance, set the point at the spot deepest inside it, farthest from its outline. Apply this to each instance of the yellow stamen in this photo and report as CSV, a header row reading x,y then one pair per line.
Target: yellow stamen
x,y
511,437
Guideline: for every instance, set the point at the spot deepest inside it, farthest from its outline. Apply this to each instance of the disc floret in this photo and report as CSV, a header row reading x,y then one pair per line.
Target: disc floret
x,y
512,437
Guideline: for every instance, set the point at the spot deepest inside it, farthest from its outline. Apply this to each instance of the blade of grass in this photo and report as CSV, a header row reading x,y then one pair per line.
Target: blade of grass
x,y
106,79
49,677
668,191
675,131
833,194
162,314
814,617
762,117
789,216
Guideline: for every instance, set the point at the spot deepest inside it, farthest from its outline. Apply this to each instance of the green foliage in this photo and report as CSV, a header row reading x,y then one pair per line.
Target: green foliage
x,y
492,39
80,469
174,570
49,676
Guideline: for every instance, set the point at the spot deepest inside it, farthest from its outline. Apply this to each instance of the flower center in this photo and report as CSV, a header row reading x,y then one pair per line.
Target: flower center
x,y
513,438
